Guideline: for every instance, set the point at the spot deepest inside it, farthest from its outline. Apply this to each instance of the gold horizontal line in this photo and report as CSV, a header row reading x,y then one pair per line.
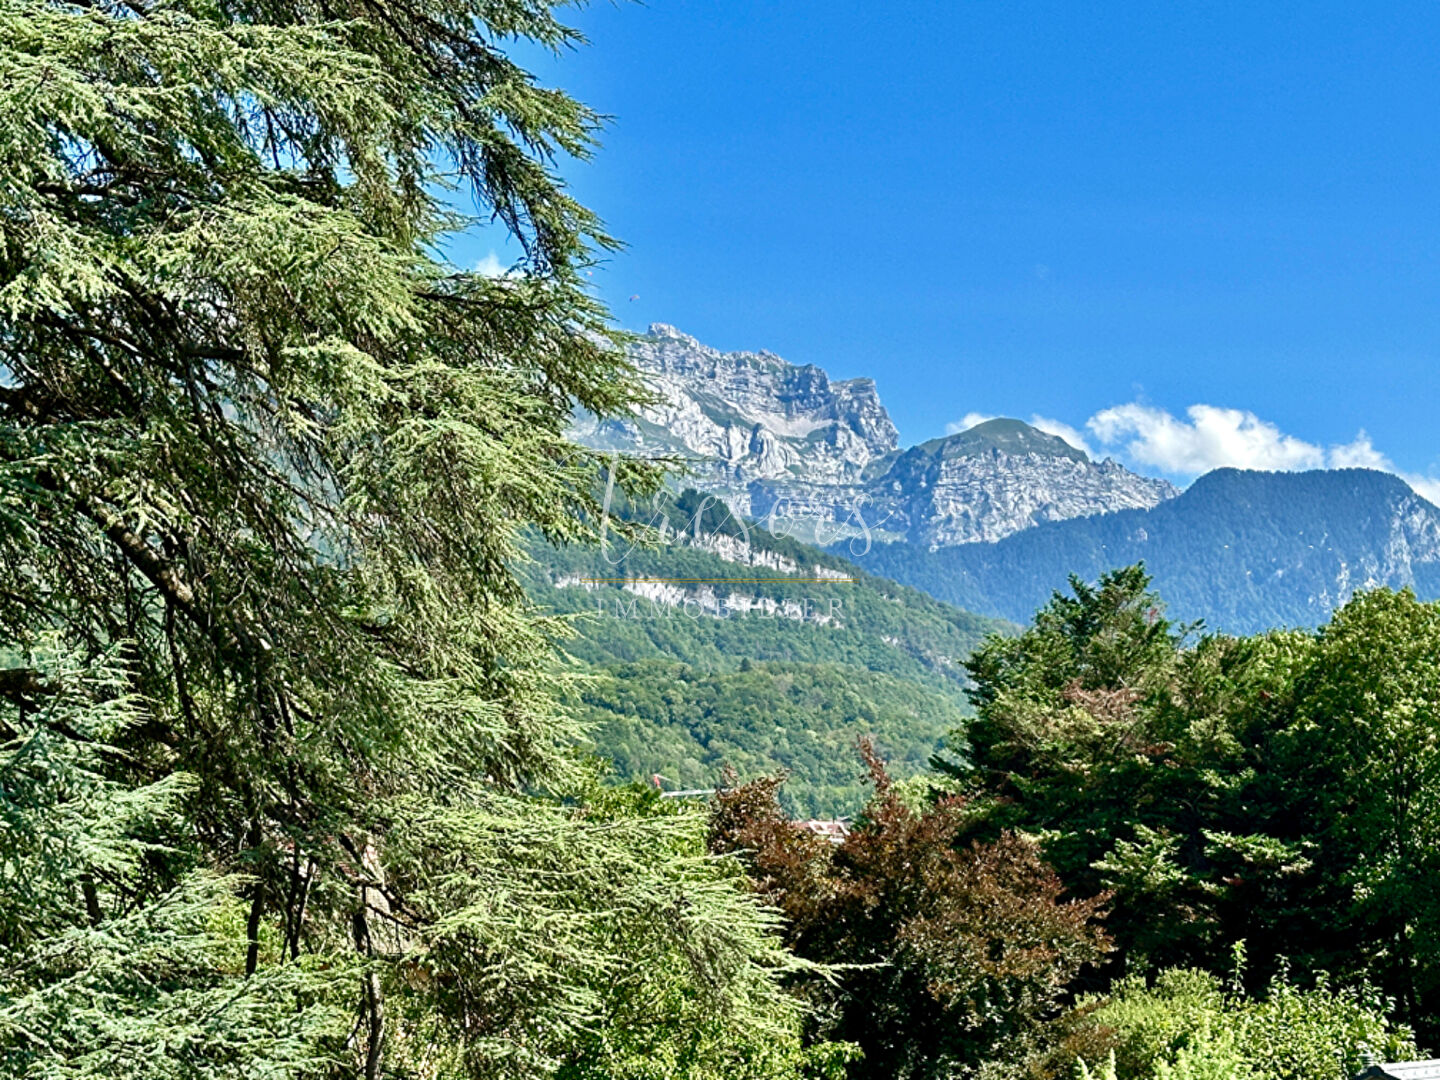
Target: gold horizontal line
x,y
715,581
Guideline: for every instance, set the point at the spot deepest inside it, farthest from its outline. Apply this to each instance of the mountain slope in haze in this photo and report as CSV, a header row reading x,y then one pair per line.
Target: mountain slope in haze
x,y
817,458
1245,551
737,648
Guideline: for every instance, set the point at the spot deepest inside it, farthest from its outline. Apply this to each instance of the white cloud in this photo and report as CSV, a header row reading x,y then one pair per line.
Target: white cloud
x,y
1063,430
1360,454
1213,438
491,266
1041,423
966,422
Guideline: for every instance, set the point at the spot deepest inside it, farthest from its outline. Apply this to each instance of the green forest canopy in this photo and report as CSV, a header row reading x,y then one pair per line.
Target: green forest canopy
x,y
1208,857
687,694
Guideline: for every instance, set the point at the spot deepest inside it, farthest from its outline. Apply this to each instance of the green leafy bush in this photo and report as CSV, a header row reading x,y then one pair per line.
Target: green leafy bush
x,y
1186,1024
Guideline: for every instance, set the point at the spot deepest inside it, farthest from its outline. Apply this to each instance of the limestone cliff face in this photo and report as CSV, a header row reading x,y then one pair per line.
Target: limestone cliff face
x,y
998,478
758,417
768,436
820,459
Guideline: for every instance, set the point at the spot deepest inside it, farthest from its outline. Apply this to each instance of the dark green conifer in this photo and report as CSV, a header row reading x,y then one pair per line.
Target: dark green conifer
x,y
283,775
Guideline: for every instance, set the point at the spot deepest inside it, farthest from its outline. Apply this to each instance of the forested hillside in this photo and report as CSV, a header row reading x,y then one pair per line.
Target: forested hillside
x,y
690,678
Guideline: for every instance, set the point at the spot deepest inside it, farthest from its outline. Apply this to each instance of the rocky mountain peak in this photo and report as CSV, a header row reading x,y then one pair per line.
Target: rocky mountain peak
x,y
665,332
1007,436
743,417
784,443
998,478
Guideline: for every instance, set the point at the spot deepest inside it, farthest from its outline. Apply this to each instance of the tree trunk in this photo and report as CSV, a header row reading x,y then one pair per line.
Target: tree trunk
x,y
257,908
92,899
373,996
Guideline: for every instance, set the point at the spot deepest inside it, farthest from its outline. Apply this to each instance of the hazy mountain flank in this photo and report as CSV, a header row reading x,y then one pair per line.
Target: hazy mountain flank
x,y
996,517
1244,551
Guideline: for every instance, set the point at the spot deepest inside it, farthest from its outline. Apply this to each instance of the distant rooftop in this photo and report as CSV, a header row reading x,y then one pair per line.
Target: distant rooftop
x,y
834,831
1402,1070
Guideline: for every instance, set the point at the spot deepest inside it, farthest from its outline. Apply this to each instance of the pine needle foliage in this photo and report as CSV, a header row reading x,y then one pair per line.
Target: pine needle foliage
x,y
93,983
294,795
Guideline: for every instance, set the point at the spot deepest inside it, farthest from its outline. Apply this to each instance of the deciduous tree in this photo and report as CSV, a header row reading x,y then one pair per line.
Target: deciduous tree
x,y
951,949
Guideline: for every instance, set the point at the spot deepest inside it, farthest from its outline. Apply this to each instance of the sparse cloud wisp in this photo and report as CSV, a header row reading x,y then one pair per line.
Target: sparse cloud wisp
x,y
966,422
491,266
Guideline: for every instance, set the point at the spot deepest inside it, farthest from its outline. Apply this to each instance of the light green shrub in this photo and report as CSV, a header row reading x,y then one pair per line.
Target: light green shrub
x,y
1187,1026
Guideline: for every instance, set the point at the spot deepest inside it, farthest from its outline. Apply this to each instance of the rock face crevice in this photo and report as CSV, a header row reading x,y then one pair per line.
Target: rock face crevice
x,y
820,458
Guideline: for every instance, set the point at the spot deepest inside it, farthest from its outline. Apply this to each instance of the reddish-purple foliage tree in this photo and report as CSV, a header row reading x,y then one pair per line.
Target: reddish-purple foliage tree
x,y
947,949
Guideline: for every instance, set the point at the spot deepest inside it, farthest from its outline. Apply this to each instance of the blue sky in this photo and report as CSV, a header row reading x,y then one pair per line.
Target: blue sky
x,y
1209,232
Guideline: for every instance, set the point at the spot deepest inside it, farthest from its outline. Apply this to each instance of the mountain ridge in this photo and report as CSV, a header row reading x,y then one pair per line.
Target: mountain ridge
x,y
727,646
1006,435
999,478
783,443
1243,550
